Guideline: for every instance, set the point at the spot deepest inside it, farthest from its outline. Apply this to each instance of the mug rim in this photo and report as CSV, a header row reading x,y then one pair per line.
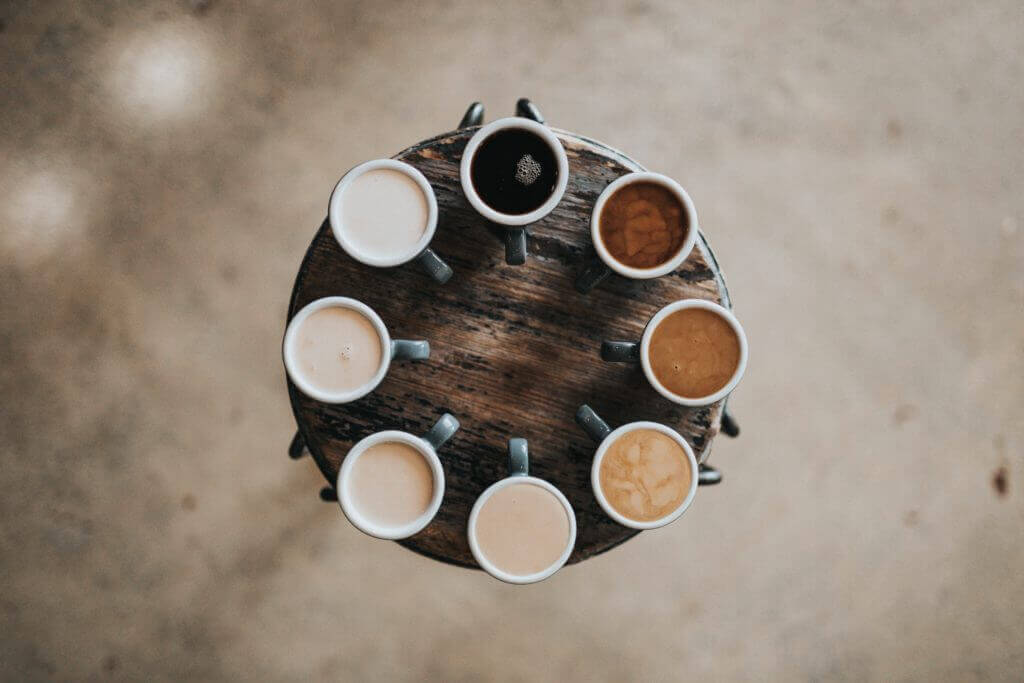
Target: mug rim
x,y
334,209
351,511
595,475
486,564
509,219
307,387
645,345
680,256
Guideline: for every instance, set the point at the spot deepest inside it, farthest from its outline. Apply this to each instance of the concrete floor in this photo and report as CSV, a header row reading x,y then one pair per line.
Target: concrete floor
x,y
857,167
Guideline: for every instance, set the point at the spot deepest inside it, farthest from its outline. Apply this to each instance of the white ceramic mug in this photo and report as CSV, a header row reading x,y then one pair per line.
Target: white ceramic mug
x,y
391,349
596,272
519,468
627,351
434,265
427,446
604,436
515,234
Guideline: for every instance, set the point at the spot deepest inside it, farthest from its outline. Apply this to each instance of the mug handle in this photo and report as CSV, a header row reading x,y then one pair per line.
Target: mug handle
x,y
442,430
407,349
515,246
708,476
596,272
518,458
620,351
596,428
435,266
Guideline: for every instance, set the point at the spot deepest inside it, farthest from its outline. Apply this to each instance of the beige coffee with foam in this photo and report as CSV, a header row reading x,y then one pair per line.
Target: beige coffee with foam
x,y
391,484
384,214
337,349
522,529
645,475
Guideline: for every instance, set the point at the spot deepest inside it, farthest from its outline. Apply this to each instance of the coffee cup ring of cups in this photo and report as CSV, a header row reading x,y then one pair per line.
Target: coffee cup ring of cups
x,y
391,349
680,256
465,171
519,474
595,475
427,447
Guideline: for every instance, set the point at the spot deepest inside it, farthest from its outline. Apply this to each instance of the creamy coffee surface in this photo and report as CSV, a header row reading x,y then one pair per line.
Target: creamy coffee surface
x,y
645,475
337,349
384,213
391,484
694,352
522,529
643,225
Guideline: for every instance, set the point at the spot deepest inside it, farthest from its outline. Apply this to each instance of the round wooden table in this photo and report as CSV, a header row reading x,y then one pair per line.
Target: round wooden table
x,y
514,349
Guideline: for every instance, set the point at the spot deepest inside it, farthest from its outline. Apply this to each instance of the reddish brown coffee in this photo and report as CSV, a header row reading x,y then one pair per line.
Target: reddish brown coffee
x,y
643,225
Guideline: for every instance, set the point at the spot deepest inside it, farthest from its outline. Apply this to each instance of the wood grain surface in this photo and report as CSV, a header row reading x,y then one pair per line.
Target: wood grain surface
x,y
514,349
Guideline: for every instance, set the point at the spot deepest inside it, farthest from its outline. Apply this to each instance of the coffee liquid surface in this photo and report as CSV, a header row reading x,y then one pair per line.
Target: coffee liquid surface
x,y
384,213
643,225
645,475
514,171
522,529
391,484
694,352
337,349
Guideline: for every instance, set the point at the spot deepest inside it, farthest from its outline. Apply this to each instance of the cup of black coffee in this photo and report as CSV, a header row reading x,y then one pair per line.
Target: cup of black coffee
x,y
514,172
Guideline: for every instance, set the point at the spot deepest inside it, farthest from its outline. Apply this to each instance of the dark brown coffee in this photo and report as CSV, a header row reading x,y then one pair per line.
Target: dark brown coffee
x,y
514,171
694,352
643,225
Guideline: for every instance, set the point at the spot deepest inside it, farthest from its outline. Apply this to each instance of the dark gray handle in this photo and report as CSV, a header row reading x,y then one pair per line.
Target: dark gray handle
x,y
515,246
596,428
442,430
297,448
527,109
518,458
594,274
406,349
474,116
435,266
708,476
620,351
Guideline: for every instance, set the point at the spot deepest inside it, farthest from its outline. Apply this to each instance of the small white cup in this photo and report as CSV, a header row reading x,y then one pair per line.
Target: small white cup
x,y
518,457
625,351
515,236
391,349
434,265
595,273
604,436
427,447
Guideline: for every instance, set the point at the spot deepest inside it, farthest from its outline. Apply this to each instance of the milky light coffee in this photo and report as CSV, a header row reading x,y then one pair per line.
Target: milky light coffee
x,y
522,529
384,213
391,484
337,350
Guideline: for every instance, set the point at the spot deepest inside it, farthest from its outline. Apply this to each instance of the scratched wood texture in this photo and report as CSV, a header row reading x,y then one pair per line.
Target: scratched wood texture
x,y
514,349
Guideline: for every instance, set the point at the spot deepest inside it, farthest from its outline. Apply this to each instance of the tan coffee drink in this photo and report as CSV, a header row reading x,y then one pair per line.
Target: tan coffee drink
x,y
337,349
383,213
391,484
522,529
694,352
645,475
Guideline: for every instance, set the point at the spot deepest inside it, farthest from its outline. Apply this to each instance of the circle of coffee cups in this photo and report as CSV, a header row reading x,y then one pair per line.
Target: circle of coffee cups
x,y
427,447
437,268
391,349
519,474
594,273
541,131
632,351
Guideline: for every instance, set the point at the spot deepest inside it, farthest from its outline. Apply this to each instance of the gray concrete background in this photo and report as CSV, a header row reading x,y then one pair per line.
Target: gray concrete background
x,y
857,167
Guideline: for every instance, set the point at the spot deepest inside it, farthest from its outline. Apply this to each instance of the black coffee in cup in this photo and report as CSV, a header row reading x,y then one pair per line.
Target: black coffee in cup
x,y
514,171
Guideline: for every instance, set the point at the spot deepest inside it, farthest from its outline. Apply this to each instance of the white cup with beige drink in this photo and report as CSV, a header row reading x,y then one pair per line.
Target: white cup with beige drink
x,y
391,483
384,213
521,529
337,349
693,352
644,474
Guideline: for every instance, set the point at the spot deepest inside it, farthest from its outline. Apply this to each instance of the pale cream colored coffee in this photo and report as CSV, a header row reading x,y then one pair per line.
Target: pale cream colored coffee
x,y
522,529
645,475
337,349
391,484
383,213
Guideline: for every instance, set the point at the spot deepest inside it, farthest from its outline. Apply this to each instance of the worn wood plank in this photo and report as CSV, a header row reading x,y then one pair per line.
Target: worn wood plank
x,y
514,348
